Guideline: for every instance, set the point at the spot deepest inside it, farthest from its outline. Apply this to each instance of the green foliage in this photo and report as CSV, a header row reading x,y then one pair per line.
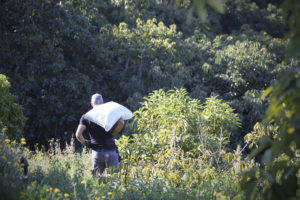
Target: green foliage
x,y
259,131
57,174
278,177
58,53
169,120
246,12
247,65
12,119
291,14
172,119
219,118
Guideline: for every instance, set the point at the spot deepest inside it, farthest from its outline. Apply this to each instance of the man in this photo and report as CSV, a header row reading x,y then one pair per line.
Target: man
x,y
104,150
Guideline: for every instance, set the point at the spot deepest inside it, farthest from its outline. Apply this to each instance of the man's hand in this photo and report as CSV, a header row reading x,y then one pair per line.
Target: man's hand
x,y
118,128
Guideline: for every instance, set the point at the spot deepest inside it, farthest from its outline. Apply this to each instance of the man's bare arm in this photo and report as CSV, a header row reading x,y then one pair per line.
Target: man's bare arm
x,y
119,127
81,128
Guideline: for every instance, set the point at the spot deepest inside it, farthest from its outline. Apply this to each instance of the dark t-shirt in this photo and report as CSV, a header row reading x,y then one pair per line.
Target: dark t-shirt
x,y
99,137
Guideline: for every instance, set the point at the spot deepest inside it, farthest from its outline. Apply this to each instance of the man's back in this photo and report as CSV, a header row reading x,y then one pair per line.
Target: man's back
x,y
99,137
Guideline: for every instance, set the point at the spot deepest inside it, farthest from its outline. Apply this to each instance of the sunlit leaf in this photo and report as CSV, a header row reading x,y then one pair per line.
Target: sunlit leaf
x,y
217,5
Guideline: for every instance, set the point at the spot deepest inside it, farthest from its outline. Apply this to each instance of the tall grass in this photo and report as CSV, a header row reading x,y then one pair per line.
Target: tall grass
x,y
66,174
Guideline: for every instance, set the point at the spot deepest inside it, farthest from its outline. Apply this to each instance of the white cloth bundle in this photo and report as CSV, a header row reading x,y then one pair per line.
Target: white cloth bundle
x,y
107,114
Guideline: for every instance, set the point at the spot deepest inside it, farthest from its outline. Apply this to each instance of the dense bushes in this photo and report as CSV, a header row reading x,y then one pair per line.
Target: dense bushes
x,y
12,119
173,122
58,53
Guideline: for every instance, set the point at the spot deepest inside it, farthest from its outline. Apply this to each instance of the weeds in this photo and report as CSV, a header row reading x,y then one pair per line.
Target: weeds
x,y
56,174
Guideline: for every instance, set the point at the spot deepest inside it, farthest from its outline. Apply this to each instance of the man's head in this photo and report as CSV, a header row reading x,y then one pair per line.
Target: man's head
x,y
96,99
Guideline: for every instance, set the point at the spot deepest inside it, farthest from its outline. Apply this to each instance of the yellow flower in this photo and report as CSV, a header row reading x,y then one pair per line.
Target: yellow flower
x,y
50,188
32,184
4,157
8,162
4,129
23,139
23,142
83,182
56,190
66,195
7,140
103,197
59,194
109,193
96,198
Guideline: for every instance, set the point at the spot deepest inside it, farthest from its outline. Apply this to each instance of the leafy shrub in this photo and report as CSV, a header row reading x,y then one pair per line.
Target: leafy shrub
x,y
278,176
12,118
172,119
219,117
247,66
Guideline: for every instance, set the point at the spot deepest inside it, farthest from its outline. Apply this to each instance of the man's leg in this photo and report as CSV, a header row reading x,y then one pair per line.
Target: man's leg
x,y
98,166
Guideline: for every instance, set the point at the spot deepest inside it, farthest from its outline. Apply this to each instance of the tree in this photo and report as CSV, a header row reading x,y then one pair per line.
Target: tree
x,y
278,176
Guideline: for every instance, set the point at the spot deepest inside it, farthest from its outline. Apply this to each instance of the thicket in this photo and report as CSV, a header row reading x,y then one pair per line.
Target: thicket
x,y
58,53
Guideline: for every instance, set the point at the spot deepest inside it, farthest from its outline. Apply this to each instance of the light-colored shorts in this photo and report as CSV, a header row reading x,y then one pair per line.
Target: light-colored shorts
x,y
103,159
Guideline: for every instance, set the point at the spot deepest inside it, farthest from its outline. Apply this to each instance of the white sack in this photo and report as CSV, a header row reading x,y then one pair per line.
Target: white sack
x,y
107,114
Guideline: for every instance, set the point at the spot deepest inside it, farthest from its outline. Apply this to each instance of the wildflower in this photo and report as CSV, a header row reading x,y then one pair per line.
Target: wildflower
x,y
59,194
7,140
66,195
56,190
50,188
8,162
103,197
109,193
83,182
96,198
32,184
23,141
4,157
4,129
